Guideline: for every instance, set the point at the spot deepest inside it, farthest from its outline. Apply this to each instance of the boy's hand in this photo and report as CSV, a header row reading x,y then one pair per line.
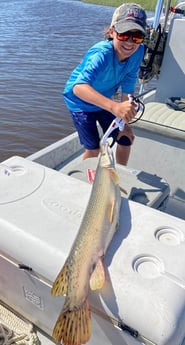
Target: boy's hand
x,y
124,110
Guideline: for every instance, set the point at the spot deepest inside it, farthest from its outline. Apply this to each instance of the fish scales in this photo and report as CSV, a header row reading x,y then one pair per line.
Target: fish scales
x,y
84,266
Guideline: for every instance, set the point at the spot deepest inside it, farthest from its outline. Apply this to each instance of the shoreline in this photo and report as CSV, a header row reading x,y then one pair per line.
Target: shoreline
x,y
148,5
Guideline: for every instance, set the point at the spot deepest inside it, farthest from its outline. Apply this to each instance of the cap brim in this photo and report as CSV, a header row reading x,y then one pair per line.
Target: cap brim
x,y
126,26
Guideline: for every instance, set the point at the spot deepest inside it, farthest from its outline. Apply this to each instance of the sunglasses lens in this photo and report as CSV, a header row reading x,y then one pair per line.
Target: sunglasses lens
x,y
122,37
137,37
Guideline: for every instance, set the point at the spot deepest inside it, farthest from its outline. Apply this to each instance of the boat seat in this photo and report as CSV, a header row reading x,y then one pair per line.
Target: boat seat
x,y
162,119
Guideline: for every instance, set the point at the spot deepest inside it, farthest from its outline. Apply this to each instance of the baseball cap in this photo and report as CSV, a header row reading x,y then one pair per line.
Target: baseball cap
x,y
129,16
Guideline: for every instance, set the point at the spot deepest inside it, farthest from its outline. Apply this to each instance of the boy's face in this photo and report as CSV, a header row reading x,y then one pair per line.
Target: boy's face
x,y
124,49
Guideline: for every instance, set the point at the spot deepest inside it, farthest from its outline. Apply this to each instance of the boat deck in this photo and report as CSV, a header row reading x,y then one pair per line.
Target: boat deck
x,y
66,155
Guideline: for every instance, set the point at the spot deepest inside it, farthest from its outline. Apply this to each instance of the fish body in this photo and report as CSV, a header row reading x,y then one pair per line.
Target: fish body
x,y
84,265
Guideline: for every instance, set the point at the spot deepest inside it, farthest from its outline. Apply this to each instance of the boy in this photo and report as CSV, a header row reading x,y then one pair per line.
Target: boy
x,y
108,65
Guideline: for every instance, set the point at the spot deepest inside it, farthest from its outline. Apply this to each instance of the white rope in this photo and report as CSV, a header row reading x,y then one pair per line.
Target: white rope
x,y
14,330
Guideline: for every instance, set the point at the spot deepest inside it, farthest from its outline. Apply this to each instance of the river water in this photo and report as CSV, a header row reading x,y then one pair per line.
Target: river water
x,y
41,41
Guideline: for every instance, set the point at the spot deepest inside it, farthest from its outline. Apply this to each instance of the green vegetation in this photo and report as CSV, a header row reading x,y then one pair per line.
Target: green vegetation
x,y
149,5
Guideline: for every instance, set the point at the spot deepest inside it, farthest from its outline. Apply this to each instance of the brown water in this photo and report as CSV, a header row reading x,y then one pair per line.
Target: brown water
x,y
41,41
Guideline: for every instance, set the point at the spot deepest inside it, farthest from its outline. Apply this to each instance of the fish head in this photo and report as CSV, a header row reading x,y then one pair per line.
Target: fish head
x,y
106,156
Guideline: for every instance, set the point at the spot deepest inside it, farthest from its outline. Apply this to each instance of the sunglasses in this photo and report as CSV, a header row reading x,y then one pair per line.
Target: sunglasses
x,y
137,37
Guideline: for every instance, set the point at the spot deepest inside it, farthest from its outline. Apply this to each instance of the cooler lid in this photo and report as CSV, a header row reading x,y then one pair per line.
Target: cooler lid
x,y
18,180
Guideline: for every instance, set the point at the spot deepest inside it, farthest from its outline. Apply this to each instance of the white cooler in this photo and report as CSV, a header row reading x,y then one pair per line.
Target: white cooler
x,y
40,214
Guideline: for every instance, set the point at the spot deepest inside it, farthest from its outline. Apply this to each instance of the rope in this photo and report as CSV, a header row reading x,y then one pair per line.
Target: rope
x,y
14,330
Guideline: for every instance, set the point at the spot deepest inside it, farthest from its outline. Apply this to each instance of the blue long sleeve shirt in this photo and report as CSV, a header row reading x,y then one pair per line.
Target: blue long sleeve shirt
x,y
101,69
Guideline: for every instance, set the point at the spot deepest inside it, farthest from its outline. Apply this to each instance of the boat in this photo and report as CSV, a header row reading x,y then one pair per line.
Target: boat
x,y
43,198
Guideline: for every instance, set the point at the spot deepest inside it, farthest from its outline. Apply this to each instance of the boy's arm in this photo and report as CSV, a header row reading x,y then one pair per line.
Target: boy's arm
x,y
124,110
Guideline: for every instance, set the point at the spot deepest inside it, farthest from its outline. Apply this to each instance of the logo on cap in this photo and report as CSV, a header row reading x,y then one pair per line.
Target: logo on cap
x,y
135,13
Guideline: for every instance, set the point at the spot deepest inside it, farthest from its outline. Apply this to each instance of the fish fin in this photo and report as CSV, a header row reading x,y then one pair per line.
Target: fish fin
x,y
114,175
60,284
115,178
73,327
111,211
97,279
123,190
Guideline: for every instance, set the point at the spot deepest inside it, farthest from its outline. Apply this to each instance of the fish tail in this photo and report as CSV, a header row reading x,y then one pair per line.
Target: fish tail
x,y
73,327
60,284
